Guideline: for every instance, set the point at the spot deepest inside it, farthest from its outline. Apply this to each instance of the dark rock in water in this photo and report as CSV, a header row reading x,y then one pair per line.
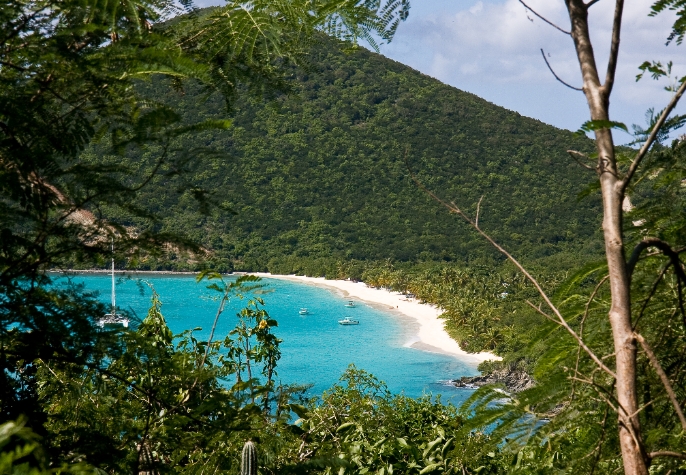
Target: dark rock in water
x,y
514,380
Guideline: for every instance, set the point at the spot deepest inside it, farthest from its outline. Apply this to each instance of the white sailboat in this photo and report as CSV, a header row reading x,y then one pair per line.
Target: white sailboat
x,y
113,318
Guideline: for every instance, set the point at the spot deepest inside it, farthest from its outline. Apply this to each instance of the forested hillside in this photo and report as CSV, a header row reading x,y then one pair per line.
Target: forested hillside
x,y
321,174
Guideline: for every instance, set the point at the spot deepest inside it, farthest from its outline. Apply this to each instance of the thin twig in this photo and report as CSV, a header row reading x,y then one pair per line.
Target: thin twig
x,y
652,137
651,294
614,48
564,324
591,3
545,19
663,377
220,310
599,447
583,320
664,247
624,420
556,76
680,295
640,409
667,453
574,154
452,207
596,387
478,208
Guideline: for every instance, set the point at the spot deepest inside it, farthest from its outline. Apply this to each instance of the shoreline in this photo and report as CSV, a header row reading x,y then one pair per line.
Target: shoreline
x,y
431,336
125,271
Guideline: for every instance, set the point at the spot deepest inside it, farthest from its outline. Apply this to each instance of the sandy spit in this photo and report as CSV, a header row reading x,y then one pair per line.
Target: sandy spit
x,y
431,334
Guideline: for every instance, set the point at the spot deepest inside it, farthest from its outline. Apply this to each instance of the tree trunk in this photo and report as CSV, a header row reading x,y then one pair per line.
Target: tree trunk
x,y
598,98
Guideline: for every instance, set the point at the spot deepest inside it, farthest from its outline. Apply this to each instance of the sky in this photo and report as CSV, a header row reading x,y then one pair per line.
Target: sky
x,y
492,48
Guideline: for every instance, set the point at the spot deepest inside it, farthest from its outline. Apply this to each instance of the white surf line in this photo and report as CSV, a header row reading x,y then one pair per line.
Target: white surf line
x,y
431,335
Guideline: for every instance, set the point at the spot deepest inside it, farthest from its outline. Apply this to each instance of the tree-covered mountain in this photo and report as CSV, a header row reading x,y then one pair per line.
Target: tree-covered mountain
x,y
325,173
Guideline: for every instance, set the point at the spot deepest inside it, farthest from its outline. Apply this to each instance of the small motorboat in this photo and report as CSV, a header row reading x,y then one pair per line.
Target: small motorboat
x,y
348,321
303,311
350,304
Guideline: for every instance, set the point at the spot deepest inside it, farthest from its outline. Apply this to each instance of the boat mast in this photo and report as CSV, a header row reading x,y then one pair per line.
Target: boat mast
x,y
114,301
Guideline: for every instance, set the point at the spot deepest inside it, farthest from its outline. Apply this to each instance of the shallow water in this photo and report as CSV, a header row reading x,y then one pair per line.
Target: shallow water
x,y
315,349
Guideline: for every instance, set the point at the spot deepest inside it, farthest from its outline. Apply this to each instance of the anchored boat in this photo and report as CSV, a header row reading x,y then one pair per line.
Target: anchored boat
x,y
348,321
113,318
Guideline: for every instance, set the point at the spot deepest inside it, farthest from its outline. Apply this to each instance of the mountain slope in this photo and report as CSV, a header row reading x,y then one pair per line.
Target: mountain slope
x,y
322,174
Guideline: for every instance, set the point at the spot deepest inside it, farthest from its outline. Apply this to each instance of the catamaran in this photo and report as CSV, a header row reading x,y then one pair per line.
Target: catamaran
x,y
113,318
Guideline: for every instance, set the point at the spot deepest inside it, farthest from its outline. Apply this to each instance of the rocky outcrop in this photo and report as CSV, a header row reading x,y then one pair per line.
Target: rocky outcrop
x,y
514,380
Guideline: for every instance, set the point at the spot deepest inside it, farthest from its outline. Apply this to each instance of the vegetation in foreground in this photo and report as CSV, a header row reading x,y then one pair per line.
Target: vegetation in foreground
x,y
70,78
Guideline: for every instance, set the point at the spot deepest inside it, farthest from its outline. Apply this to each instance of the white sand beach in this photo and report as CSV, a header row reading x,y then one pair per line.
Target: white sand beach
x,y
431,335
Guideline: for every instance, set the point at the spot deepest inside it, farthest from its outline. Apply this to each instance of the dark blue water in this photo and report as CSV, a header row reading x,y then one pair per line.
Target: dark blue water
x,y
315,349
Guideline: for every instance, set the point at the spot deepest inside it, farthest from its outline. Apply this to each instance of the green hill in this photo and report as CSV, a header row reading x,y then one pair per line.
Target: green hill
x,y
321,174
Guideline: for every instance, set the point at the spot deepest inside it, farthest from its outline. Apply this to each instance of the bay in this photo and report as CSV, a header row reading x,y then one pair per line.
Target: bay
x,y
316,350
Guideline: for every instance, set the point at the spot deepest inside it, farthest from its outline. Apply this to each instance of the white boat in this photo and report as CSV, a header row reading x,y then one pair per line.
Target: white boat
x,y
113,318
303,311
350,304
348,321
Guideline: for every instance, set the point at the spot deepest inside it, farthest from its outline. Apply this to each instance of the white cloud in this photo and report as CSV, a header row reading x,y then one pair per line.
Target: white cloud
x,y
493,49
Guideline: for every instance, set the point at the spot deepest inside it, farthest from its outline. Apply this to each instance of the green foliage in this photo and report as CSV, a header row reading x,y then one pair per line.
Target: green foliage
x,y
372,431
164,404
21,453
79,136
485,309
318,179
592,125
679,26
568,422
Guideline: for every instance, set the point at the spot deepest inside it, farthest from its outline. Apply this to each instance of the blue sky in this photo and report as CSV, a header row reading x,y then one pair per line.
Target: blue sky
x,y
492,49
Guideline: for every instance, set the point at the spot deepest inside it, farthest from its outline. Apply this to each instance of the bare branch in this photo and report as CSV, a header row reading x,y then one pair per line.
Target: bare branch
x,y
667,453
662,246
604,394
663,377
478,208
599,446
575,155
556,76
614,48
651,293
583,320
653,136
538,309
544,19
591,3
680,295
452,207
561,321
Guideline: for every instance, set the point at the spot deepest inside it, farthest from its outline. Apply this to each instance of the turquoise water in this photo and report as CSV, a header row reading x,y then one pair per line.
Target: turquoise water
x,y
315,349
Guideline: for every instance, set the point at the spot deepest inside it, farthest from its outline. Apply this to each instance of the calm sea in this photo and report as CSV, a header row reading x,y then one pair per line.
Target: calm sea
x,y
315,349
